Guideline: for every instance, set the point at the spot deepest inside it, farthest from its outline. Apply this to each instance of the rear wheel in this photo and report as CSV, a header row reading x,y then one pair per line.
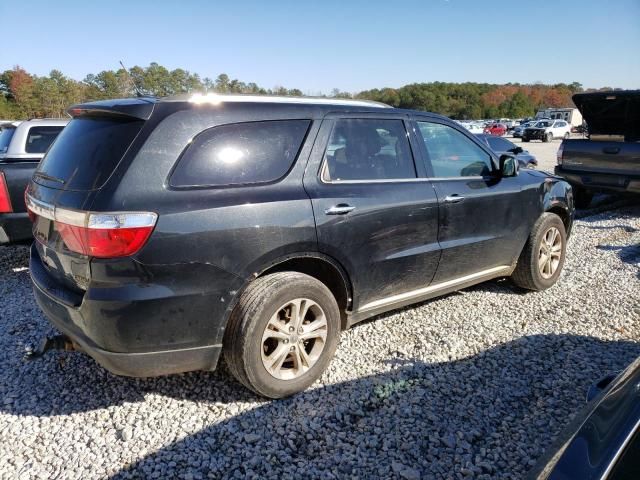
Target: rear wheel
x,y
282,334
543,255
581,197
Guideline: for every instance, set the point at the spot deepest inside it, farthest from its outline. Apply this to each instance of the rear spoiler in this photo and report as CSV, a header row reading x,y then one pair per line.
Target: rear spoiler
x,y
139,108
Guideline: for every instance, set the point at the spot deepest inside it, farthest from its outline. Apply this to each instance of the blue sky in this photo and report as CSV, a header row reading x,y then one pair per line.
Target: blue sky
x,y
317,46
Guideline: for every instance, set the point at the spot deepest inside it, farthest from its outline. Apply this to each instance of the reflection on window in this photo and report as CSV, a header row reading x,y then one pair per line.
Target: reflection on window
x,y
241,153
452,154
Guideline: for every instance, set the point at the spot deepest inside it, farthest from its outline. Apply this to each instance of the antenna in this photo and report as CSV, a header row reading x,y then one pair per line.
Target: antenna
x,y
135,87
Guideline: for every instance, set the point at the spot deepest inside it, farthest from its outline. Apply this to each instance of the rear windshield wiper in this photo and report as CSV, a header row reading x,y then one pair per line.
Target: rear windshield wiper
x,y
48,177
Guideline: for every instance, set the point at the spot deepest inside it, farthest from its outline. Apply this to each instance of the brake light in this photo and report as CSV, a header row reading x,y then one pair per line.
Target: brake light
x,y
5,199
97,234
560,153
32,216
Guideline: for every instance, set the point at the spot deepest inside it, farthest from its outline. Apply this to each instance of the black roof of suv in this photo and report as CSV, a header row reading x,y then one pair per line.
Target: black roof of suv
x,y
171,231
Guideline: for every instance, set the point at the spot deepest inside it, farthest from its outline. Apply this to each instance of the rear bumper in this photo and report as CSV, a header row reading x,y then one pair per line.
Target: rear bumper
x,y
90,322
601,182
15,227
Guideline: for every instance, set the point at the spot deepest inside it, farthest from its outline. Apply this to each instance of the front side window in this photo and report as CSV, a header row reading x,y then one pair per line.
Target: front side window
x,y
368,149
241,154
453,154
40,138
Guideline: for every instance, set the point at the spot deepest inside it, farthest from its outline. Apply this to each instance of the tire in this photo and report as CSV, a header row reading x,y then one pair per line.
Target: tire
x,y
528,274
548,137
567,136
581,197
262,304
525,139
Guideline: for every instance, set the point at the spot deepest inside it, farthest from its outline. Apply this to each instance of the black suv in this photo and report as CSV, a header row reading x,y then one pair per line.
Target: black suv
x,y
169,231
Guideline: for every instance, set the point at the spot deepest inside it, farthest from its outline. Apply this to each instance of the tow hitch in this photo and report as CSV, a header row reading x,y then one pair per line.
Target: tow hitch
x,y
57,342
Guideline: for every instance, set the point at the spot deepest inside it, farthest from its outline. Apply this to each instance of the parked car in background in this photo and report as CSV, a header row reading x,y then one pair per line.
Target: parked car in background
x,y
547,130
609,159
136,200
503,146
518,130
22,146
603,441
473,127
497,129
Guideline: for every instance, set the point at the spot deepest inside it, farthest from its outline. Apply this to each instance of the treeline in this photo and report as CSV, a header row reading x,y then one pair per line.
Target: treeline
x,y
23,95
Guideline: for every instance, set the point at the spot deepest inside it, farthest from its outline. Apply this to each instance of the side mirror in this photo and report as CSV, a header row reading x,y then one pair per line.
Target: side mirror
x,y
509,166
516,150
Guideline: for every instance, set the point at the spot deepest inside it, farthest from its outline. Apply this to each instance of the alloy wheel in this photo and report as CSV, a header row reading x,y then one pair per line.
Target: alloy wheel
x,y
550,253
294,338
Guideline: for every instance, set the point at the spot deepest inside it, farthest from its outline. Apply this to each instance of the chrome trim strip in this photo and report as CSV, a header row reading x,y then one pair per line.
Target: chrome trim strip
x,y
432,288
94,220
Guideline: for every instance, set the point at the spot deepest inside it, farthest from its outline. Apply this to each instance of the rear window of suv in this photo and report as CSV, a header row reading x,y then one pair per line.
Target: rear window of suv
x,y
240,154
87,152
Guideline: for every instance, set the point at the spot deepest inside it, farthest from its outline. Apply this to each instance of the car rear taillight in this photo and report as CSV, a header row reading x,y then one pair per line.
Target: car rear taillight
x,y
98,234
559,154
32,216
5,199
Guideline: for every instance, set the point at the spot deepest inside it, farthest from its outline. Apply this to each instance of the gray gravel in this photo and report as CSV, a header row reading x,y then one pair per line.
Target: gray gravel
x,y
473,385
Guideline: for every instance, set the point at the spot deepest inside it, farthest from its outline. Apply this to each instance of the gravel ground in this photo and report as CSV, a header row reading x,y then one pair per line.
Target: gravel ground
x,y
473,385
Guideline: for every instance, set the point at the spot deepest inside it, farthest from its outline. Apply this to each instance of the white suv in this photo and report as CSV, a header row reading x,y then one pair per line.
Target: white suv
x,y
547,130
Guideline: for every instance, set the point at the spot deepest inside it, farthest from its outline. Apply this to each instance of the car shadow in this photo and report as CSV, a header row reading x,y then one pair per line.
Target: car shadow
x,y
413,418
489,414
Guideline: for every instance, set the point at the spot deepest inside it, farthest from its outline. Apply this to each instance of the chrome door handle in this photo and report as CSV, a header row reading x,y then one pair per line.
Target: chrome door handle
x,y
453,199
340,209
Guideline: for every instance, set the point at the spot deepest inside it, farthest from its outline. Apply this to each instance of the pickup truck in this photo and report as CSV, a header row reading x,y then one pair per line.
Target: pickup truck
x,y
22,146
608,160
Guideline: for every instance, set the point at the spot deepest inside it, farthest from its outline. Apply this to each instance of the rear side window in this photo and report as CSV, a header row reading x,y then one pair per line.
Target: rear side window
x,y
39,139
87,152
240,154
368,149
5,138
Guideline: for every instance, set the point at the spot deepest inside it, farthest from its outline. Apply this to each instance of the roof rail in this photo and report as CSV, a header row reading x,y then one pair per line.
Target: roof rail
x,y
216,98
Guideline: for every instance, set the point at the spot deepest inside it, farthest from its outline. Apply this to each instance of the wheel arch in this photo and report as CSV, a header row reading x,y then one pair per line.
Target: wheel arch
x,y
324,269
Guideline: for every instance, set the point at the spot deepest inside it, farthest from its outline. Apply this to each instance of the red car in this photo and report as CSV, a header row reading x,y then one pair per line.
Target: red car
x,y
497,129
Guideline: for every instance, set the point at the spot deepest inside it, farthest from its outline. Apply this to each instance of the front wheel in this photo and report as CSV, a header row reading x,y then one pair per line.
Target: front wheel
x,y
548,137
543,255
525,139
282,334
566,136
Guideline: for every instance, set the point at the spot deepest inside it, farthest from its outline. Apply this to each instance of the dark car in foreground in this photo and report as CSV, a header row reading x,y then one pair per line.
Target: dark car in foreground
x,y
170,231
608,160
502,146
603,441
22,146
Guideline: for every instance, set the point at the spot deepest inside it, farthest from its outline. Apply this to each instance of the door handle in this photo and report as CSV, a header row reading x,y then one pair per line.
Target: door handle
x,y
340,209
455,198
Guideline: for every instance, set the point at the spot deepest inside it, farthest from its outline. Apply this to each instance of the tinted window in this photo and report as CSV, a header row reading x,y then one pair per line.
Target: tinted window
x,y
87,152
368,149
453,154
499,144
39,139
241,153
5,138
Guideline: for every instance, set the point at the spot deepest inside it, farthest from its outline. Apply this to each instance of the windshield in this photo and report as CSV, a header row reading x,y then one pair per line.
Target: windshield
x,y
5,138
543,124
